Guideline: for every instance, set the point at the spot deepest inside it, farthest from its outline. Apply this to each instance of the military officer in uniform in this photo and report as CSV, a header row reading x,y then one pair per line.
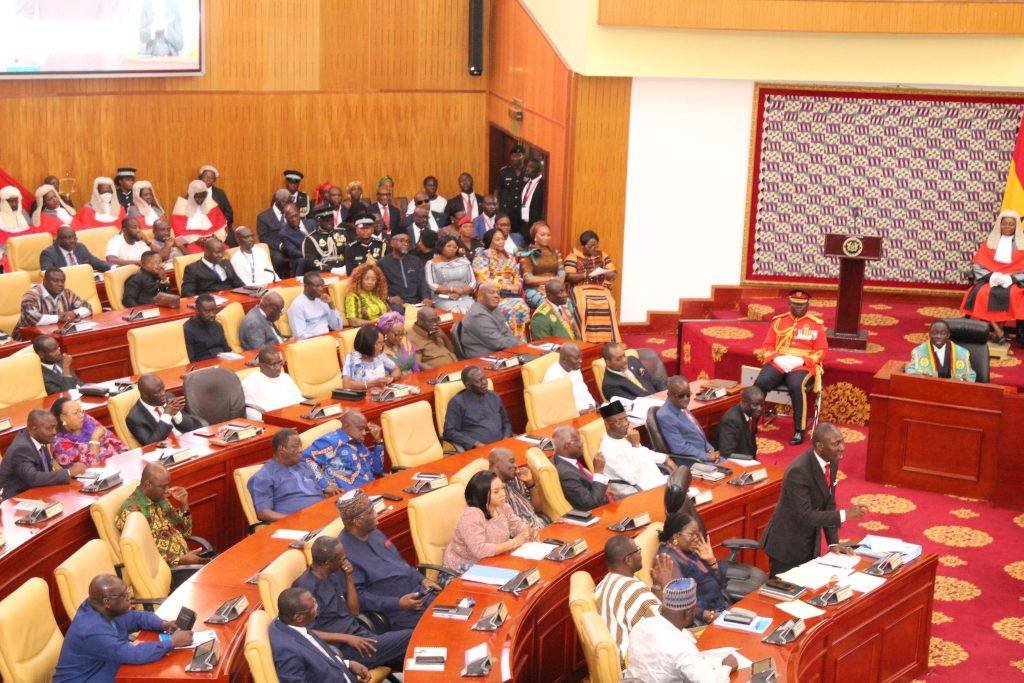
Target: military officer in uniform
x,y
125,179
365,247
511,180
323,248
793,350
301,199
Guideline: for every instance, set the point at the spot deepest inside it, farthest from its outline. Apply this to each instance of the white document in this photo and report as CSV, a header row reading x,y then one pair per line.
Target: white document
x,y
83,325
799,609
28,504
95,473
862,583
289,534
813,576
641,406
837,560
716,656
598,272
532,550
788,363
743,463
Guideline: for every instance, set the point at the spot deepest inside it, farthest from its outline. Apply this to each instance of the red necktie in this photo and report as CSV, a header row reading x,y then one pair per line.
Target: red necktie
x,y
828,476
584,471
385,214
72,261
159,412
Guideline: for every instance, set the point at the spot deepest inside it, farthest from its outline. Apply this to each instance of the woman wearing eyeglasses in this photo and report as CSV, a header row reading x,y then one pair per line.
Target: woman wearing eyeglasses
x,y
80,438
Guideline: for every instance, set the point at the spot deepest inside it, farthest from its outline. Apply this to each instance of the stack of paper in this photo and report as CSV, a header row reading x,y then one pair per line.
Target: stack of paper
x,y
741,463
813,575
862,583
837,560
531,550
880,546
494,576
716,656
799,609
290,534
642,405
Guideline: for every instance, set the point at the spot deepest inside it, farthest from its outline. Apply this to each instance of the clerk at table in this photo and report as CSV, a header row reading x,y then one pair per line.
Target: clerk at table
x,y
285,484
29,462
475,416
385,581
204,335
157,415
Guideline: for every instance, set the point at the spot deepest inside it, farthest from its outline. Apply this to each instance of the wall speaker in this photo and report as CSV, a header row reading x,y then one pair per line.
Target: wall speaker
x,y
476,37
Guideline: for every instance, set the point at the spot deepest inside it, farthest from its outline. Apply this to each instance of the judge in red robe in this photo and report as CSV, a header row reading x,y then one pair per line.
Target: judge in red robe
x,y
997,295
13,221
103,210
197,216
51,210
145,206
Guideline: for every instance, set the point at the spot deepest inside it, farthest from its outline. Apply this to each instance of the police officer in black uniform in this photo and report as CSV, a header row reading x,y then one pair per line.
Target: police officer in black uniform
x,y
301,199
365,247
124,179
511,180
324,248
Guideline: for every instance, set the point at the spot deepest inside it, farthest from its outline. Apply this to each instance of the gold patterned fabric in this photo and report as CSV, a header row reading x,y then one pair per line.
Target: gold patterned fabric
x,y
169,526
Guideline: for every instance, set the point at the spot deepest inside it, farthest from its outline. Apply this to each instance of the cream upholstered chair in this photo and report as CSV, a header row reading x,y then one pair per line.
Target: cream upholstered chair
x,y
288,294
313,433
432,521
544,473
278,575
230,317
79,279
30,641
104,514
119,406
28,370
313,364
242,475
466,473
647,541
12,287
257,648
533,372
74,574
332,529
409,435
549,403
95,239
180,262
113,281
599,366
157,347
592,433
581,596
23,252
346,343
146,570
599,649
443,394
338,290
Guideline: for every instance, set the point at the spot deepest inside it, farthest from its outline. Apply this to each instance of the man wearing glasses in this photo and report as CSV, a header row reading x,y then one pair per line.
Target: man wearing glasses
x,y
389,215
97,640
270,388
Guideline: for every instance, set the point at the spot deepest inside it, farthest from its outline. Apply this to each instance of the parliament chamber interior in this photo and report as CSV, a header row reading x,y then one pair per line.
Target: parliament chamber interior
x,y
695,333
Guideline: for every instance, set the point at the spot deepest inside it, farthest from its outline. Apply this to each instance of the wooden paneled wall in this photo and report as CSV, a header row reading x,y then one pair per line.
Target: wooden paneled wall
x,y
840,16
341,90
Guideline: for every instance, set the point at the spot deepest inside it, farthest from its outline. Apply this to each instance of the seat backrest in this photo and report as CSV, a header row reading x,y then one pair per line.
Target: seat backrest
x,y
147,571
654,431
313,433
258,654
179,266
592,433
104,513
599,366
214,394
30,641
74,574
599,649
432,520
23,252
333,529
157,347
119,406
95,239
457,340
12,287
409,435
278,575
554,504
28,370
973,336
533,372
113,281
346,343
443,394
288,294
230,317
242,475
647,541
338,291
80,280
313,364
466,473
581,596
549,403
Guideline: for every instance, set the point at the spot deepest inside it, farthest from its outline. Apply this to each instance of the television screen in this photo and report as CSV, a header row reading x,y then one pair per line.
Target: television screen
x,y
97,38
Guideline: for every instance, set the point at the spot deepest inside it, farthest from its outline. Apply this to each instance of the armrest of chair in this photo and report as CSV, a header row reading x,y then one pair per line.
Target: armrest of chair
x,y
736,545
256,525
200,541
444,575
398,468
377,622
624,483
148,605
255,407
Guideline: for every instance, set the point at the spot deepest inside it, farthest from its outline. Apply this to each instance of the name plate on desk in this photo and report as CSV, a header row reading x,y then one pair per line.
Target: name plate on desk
x,y
886,565
172,457
521,581
699,497
787,632
568,551
445,317
394,392
5,424
492,618
42,511
320,412
630,523
423,485
502,363
752,477
233,433
145,314
446,377
833,596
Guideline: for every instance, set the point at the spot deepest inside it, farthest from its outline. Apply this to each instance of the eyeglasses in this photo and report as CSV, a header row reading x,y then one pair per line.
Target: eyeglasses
x,y
633,551
422,201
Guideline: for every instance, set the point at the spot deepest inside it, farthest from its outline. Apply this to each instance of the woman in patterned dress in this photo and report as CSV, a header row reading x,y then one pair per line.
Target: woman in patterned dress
x,y
367,366
591,289
494,265
450,276
80,438
541,264
367,297
397,346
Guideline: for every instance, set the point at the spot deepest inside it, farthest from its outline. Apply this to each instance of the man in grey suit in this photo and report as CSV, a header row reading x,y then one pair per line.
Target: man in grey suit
x,y
585,490
29,462
257,328
66,251
484,329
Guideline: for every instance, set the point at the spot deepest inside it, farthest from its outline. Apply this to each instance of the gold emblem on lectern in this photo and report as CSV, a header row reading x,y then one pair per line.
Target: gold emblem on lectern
x,y
853,246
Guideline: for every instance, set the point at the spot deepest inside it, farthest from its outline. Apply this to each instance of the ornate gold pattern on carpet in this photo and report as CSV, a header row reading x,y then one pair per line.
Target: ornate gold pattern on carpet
x,y
726,332
945,653
848,361
951,561
852,435
1011,628
884,503
964,513
940,618
958,536
877,320
880,307
844,403
718,351
1008,362
1016,570
768,445
949,589
874,525
1019,520
916,337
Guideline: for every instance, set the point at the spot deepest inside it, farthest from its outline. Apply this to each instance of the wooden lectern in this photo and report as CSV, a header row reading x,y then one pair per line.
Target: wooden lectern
x,y
853,252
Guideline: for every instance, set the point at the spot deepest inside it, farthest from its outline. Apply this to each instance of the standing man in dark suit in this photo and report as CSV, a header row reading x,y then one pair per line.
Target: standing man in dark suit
x,y
466,200
509,183
533,202
29,463
585,490
389,214
157,414
212,273
737,430
297,196
807,504
299,654
269,226
66,251
625,376
58,375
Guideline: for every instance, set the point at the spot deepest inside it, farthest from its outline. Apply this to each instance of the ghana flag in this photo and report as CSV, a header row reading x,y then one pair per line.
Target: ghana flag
x,y
1013,195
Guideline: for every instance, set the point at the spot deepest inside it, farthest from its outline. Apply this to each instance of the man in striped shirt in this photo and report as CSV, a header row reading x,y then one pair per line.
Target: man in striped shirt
x,y
622,599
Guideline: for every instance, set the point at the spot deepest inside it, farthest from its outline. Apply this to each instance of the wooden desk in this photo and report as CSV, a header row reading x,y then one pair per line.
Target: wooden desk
x,y
11,347
960,438
225,576
216,512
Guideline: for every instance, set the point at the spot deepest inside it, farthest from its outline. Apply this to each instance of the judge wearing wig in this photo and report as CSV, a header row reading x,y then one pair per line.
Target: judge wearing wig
x,y
51,210
998,268
103,210
939,357
13,220
197,216
145,206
